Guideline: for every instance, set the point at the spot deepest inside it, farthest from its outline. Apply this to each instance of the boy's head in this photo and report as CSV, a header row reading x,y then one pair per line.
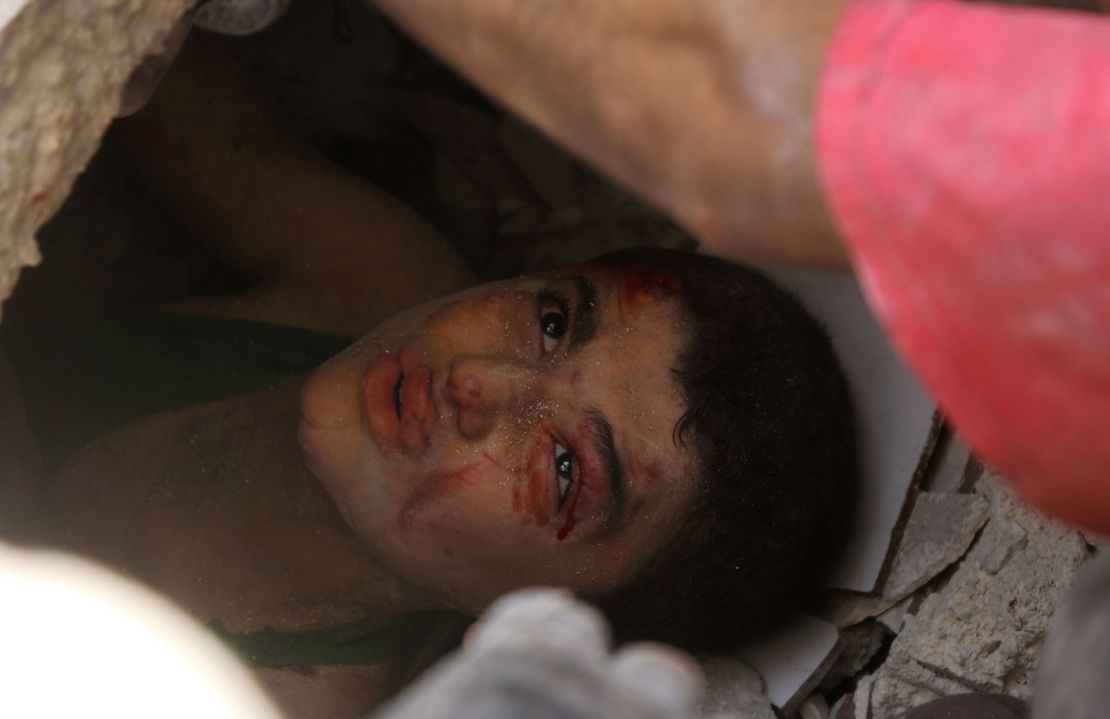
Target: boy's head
x,y
663,432
769,418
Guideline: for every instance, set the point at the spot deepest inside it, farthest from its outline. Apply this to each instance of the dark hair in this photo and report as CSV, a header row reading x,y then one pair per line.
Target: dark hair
x,y
770,424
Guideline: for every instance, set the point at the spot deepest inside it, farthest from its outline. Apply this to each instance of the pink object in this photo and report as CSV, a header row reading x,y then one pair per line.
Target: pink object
x,y
965,152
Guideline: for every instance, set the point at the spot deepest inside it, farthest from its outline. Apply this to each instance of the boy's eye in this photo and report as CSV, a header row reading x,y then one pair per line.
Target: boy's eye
x,y
553,322
564,472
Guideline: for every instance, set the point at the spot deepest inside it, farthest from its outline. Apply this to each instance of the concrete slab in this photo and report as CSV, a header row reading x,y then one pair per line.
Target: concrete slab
x,y
63,66
983,631
940,529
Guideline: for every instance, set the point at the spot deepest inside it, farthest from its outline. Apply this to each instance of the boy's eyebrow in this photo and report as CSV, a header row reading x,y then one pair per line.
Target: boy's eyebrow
x,y
585,315
601,432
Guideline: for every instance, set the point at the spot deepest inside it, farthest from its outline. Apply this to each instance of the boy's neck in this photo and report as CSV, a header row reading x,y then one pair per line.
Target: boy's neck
x,y
236,529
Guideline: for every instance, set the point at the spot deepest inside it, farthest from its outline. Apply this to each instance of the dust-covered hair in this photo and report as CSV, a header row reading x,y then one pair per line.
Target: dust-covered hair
x,y
769,423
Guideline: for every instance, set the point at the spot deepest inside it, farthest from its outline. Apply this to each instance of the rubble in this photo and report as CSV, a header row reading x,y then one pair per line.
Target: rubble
x,y
733,690
860,645
845,609
1070,689
940,529
895,617
63,66
861,699
814,708
843,708
984,629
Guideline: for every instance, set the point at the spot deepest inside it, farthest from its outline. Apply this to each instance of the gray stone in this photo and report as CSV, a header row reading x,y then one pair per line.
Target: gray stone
x,y
895,617
860,645
843,709
912,685
63,66
983,631
999,546
948,465
940,529
861,699
845,609
1072,679
733,690
814,708
1097,541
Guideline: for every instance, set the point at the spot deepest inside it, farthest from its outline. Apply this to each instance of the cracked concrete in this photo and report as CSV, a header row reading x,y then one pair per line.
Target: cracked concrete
x,y
940,529
733,690
983,631
63,65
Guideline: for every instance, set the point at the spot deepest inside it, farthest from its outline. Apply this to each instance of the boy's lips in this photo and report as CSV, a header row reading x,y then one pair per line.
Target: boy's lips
x,y
397,381
378,381
417,411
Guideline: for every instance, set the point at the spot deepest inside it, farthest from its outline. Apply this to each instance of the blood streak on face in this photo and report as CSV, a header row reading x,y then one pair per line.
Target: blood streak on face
x,y
650,284
539,469
436,484
587,467
568,525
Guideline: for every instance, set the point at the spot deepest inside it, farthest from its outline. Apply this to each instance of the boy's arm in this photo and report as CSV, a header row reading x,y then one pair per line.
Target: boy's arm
x,y
319,242
703,107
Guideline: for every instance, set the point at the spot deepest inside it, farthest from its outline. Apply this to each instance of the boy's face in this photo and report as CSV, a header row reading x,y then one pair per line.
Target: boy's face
x,y
518,433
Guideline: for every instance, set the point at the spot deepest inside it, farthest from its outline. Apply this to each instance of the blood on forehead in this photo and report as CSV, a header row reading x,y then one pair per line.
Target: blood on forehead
x,y
643,283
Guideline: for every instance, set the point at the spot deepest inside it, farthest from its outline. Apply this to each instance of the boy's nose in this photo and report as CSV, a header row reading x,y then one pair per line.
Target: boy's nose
x,y
482,388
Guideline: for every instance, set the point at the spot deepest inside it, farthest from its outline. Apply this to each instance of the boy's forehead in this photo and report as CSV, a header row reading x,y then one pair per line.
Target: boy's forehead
x,y
628,373
636,354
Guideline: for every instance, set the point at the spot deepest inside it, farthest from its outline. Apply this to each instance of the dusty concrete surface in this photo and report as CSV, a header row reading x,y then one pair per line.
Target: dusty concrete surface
x,y
733,690
983,630
63,64
939,531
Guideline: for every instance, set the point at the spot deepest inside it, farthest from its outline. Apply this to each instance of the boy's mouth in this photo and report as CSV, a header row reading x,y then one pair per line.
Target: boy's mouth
x,y
401,383
412,400
381,393
397,394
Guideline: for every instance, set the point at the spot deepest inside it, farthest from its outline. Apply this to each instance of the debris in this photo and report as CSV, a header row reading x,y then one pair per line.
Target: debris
x,y
982,632
1071,681
949,464
795,660
895,617
814,708
860,645
843,709
940,529
1096,541
733,690
861,700
845,609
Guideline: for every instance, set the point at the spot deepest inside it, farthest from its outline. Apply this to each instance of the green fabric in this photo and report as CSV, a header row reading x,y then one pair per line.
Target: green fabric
x,y
358,644
106,373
